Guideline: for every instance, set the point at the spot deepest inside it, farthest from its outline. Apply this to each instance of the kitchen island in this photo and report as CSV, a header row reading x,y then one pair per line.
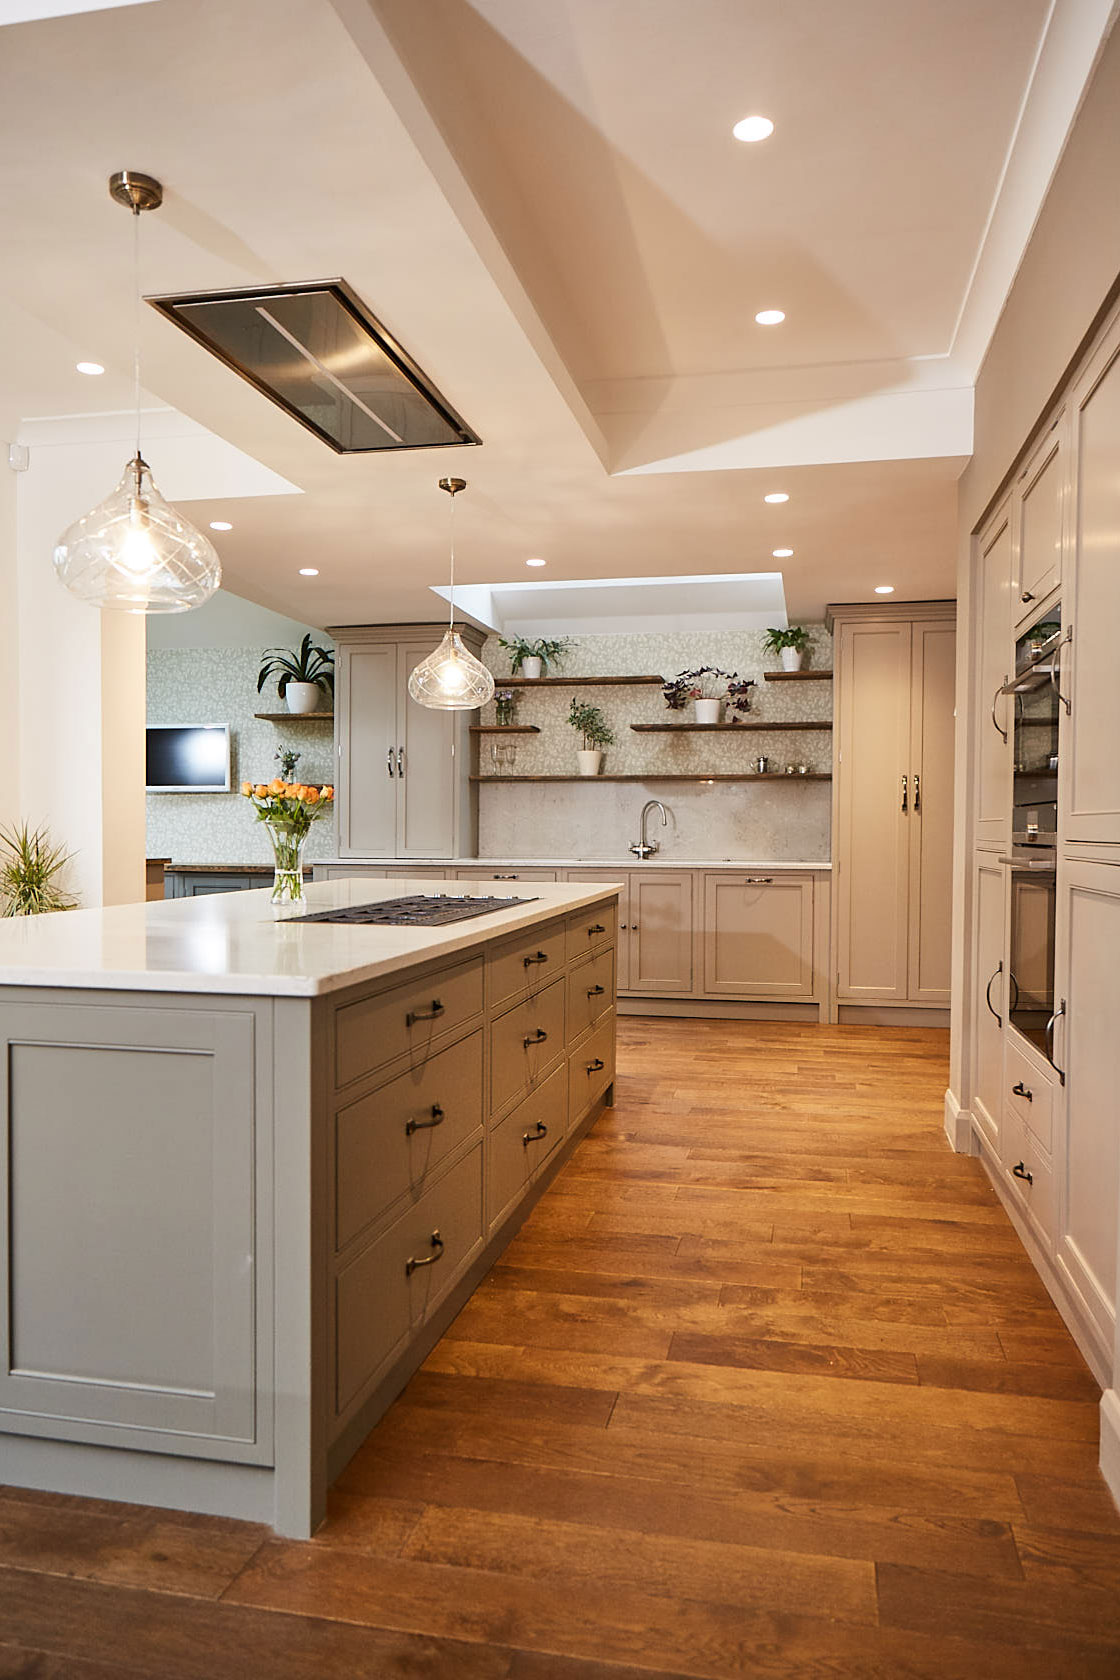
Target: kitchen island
x,y
255,1165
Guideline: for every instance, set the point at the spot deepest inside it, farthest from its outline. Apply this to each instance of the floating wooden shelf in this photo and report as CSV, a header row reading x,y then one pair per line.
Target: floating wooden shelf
x,y
295,717
669,776
797,676
505,729
574,682
1036,776
730,728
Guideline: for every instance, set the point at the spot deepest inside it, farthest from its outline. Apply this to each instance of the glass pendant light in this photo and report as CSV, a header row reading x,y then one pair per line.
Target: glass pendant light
x,y
133,552
451,679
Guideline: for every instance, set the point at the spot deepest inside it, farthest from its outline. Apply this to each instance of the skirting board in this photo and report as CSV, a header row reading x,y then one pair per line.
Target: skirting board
x,y
246,1491
1110,1441
719,1009
958,1125
1096,1353
891,1015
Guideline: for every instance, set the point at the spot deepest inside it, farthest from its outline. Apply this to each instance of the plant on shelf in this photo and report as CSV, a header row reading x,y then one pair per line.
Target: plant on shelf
x,y
505,707
789,644
534,658
287,760
29,870
288,809
595,734
301,676
709,688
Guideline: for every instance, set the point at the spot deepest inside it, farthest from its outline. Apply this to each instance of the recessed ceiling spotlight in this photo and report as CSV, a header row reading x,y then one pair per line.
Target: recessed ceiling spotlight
x,y
782,553
776,496
220,525
309,571
536,562
884,589
770,317
92,368
753,128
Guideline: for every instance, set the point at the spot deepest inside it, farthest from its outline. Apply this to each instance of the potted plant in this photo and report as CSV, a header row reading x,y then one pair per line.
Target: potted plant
x,y
592,727
710,689
288,810
532,659
301,677
505,707
29,866
789,644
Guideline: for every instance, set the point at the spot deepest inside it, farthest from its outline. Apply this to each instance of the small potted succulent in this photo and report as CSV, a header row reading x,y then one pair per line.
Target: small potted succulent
x,y
592,728
789,644
532,659
710,689
505,707
301,677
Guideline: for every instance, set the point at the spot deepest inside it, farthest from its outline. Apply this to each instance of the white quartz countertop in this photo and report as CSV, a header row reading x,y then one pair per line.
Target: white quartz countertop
x,y
238,943
627,862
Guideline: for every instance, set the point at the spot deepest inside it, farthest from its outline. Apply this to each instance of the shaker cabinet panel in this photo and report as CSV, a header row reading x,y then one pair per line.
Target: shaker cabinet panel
x,y
993,712
1041,518
367,719
425,768
931,811
758,936
990,987
661,925
1091,669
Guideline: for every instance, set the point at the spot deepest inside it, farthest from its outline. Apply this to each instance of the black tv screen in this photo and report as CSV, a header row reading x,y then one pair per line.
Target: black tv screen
x,y
188,760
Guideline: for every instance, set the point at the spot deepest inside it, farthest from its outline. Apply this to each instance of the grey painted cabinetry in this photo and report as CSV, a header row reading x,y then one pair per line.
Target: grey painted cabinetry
x,y
402,784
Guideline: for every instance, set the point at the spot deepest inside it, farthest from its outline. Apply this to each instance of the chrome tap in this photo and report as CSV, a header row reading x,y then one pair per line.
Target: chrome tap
x,y
644,847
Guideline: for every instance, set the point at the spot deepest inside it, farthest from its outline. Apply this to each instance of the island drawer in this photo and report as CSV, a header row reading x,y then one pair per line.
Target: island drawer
x,y
393,1139
590,991
589,928
394,1284
523,1141
519,967
525,1043
375,1030
590,1069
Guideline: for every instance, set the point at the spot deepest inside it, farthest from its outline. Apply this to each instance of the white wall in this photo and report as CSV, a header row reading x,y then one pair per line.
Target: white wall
x,y
9,644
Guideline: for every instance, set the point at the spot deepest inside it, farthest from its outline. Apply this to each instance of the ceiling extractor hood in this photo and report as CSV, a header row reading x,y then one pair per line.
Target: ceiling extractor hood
x,y
317,353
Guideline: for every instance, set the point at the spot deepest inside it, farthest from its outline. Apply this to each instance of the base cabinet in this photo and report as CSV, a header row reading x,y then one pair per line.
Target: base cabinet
x,y
758,936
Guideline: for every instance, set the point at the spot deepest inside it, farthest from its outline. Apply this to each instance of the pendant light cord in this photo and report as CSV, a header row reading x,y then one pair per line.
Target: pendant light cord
x,y
136,319
451,591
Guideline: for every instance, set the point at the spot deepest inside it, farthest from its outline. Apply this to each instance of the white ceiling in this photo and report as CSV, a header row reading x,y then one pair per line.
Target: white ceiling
x,y
541,199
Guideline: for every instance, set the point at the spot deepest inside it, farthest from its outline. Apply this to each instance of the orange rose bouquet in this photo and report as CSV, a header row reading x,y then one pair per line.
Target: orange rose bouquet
x,y
288,810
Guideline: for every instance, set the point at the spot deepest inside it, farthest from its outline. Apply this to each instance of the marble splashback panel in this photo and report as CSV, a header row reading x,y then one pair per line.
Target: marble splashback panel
x,y
219,685
745,820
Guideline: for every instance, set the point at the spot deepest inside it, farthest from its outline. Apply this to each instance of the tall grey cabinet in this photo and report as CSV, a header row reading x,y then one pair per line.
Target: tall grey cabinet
x,y
403,771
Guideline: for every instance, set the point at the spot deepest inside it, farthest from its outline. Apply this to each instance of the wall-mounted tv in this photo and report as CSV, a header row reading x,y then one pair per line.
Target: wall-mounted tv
x,y
188,760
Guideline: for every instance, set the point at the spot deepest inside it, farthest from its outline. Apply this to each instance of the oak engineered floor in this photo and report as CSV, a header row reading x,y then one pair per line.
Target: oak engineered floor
x,y
765,1386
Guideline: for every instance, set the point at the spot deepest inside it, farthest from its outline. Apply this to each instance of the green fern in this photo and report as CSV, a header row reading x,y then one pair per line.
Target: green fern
x,y
29,865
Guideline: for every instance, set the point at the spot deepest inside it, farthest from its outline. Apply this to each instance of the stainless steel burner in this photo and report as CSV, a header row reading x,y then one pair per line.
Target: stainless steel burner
x,y
418,910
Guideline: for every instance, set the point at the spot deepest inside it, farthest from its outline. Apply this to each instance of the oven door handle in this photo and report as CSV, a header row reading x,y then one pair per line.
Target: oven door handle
x,y
988,992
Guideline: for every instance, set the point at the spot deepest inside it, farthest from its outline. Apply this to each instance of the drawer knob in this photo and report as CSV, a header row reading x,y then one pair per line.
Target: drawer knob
x,y
437,1119
505,877
597,927
1020,1171
541,956
596,1066
1021,1090
595,991
432,1014
411,1266
537,1037
540,1130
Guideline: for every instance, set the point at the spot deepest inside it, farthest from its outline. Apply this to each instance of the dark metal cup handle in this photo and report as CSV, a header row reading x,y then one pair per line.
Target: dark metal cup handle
x,y
432,1014
423,1125
596,1066
597,927
539,1131
1020,1171
541,956
537,1037
411,1266
595,991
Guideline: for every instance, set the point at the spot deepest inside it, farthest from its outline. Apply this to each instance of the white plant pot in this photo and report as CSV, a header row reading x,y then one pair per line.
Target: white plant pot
x,y
708,711
590,760
791,659
304,697
531,667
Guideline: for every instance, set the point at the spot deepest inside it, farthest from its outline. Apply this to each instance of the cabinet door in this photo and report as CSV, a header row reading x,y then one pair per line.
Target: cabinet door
x,y
1087,1046
873,818
661,920
622,950
1042,496
1091,668
200,886
934,666
367,777
426,790
992,664
989,990
758,936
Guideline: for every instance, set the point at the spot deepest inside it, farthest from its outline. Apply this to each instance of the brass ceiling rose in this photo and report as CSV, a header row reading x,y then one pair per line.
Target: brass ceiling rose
x,y
135,191
452,485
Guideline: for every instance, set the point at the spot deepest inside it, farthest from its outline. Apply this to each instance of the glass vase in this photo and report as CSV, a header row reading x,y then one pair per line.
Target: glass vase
x,y
287,845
